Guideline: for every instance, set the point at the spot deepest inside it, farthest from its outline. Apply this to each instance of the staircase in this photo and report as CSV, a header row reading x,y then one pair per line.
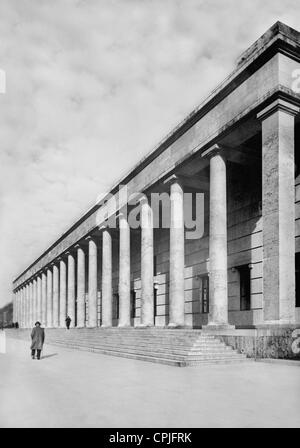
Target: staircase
x,y
178,347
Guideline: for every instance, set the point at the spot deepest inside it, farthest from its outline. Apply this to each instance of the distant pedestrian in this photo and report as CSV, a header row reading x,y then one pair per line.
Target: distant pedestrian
x,y
38,338
17,325
68,321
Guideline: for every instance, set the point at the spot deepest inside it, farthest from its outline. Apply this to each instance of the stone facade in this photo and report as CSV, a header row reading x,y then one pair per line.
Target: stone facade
x,y
238,151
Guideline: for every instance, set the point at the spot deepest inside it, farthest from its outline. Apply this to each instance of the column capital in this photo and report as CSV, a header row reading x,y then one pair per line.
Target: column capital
x,y
88,238
69,252
278,104
104,228
213,151
174,178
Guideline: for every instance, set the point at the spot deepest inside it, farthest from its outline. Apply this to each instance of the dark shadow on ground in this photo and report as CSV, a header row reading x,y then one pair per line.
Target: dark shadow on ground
x,y
49,356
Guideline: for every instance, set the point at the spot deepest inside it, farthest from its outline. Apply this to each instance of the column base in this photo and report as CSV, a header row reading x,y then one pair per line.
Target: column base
x,y
280,322
145,326
174,326
217,327
124,326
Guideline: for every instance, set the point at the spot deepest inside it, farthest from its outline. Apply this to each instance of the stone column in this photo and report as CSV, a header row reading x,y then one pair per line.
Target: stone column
x,y
39,298
218,291
106,278
55,295
21,317
80,286
62,292
92,283
49,298
18,306
31,292
147,305
71,289
27,306
278,210
15,299
44,299
21,308
23,305
124,271
34,301
176,288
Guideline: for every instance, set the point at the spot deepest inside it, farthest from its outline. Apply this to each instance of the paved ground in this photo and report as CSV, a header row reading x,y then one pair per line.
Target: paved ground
x,y
79,389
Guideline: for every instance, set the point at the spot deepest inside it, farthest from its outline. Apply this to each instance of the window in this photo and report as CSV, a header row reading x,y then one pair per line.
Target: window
x,y
155,302
245,287
116,306
297,272
155,265
133,304
205,294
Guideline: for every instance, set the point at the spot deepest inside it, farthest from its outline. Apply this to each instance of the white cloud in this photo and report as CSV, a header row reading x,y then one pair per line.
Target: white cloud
x,y
91,87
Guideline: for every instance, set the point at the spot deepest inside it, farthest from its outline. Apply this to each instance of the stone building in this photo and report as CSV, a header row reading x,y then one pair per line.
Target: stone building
x,y
239,150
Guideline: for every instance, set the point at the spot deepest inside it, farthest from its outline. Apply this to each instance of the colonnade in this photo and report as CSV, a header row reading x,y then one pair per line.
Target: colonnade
x,y
52,293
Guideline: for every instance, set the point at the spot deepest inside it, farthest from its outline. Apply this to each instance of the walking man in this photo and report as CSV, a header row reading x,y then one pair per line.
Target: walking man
x,y
37,338
68,321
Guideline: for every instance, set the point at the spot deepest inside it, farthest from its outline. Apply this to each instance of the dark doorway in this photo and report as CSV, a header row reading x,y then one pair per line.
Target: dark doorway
x,y
245,287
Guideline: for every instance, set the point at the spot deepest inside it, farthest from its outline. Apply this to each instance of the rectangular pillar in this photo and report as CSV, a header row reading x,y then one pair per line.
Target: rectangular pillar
x,y
278,146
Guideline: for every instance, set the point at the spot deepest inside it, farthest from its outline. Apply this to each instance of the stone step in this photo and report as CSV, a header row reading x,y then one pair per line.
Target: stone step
x,y
199,341
184,352
133,339
212,346
156,352
171,359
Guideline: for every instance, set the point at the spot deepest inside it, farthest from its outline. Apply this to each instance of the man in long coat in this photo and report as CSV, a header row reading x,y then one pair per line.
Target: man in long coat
x,y
37,338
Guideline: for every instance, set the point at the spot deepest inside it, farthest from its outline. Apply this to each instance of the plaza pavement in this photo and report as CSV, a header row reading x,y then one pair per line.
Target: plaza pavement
x,y
70,388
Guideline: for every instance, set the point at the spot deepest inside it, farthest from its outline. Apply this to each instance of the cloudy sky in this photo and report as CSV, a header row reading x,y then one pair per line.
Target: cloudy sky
x,y
92,86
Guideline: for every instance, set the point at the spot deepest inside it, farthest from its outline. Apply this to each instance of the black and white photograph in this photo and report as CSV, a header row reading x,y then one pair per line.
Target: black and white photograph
x,y
149,217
